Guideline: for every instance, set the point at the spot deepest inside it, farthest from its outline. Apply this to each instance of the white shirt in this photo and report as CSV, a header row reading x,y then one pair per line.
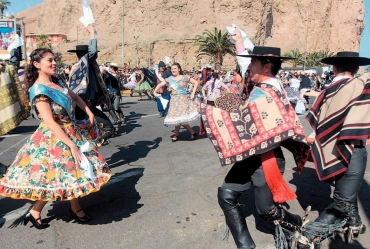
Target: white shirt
x,y
295,83
274,82
336,78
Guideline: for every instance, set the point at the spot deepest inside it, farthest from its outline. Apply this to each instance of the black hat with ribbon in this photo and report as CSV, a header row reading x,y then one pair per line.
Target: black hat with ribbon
x,y
346,56
266,52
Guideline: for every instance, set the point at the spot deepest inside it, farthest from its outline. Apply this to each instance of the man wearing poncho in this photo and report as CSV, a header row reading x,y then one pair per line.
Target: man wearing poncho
x,y
341,124
250,137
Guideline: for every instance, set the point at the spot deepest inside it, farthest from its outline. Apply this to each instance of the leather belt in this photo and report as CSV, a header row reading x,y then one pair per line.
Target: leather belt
x,y
359,143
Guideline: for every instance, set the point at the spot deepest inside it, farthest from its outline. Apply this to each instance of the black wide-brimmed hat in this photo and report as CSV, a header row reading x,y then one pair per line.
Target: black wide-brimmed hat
x,y
79,48
266,52
346,56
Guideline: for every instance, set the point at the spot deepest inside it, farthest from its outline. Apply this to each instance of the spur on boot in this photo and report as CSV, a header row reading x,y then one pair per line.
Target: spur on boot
x,y
83,219
30,218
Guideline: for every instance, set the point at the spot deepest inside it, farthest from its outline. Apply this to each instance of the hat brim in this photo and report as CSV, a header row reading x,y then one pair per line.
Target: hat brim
x,y
266,56
361,61
75,51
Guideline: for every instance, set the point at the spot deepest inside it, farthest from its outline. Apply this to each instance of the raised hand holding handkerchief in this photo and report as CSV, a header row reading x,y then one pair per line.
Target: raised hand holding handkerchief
x,y
247,43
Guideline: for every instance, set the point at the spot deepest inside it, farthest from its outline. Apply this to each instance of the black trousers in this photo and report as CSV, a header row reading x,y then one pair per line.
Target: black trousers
x,y
15,57
348,184
99,116
247,173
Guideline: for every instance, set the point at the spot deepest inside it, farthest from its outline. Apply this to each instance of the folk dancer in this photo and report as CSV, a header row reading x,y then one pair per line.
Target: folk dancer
x,y
250,138
86,81
338,149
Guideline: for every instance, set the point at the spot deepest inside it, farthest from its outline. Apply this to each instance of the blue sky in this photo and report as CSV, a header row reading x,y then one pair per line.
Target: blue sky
x,y
365,46
20,5
17,6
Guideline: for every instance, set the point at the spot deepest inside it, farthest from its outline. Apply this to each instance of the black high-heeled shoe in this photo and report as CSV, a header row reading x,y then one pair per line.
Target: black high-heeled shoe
x,y
193,136
34,222
84,219
175,138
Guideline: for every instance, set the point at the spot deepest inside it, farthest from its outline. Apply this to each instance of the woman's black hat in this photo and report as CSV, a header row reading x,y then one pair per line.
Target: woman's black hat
x,y
346,57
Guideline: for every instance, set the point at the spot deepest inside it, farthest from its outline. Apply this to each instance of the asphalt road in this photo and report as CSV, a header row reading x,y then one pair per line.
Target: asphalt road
x,y
162,194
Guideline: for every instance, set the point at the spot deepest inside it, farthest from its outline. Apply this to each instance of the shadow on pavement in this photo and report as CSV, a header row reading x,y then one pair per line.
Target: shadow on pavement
x,y
310,190
122,104
23,129
133,152
9,205
114,202
337,242
128,127
184,135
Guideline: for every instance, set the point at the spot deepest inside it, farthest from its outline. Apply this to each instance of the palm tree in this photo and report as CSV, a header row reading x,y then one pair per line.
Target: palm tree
x,y
323,54
43,41
3,6
312,59
215,44
298,57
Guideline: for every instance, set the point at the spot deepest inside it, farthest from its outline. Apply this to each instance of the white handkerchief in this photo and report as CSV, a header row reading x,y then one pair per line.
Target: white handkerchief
x,y
247,43
167,59
85,164
164,102
88,17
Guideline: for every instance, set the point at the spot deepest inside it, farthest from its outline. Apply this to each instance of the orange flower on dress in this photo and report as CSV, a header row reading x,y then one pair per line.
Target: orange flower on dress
x,y
78,136
50,175
53,139
66,154
25,161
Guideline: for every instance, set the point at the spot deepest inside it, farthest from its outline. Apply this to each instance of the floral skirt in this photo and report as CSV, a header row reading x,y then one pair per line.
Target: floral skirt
x,y
143,87
44,168
292,93
181,111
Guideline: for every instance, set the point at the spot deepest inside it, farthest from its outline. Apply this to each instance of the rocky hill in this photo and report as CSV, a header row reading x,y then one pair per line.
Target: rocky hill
x,y
164,27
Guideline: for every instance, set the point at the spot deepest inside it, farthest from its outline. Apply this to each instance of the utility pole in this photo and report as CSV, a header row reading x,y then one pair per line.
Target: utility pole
x,y
123,31
137,55
23,32
148,34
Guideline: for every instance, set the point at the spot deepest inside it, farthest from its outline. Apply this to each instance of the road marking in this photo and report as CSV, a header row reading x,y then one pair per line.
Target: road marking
x,y
14,145
139,117
17,135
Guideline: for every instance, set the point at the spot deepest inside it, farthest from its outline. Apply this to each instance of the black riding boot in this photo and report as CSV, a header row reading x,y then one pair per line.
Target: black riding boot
x,y
354,218
336,212
113,114
286,219
235,220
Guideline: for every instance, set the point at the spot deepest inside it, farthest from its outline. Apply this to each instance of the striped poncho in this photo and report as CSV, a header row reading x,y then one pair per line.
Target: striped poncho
x,y
339,116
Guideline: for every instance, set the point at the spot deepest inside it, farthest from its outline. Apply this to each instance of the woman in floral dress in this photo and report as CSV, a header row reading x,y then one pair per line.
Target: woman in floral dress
x,y
182,109
50,165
